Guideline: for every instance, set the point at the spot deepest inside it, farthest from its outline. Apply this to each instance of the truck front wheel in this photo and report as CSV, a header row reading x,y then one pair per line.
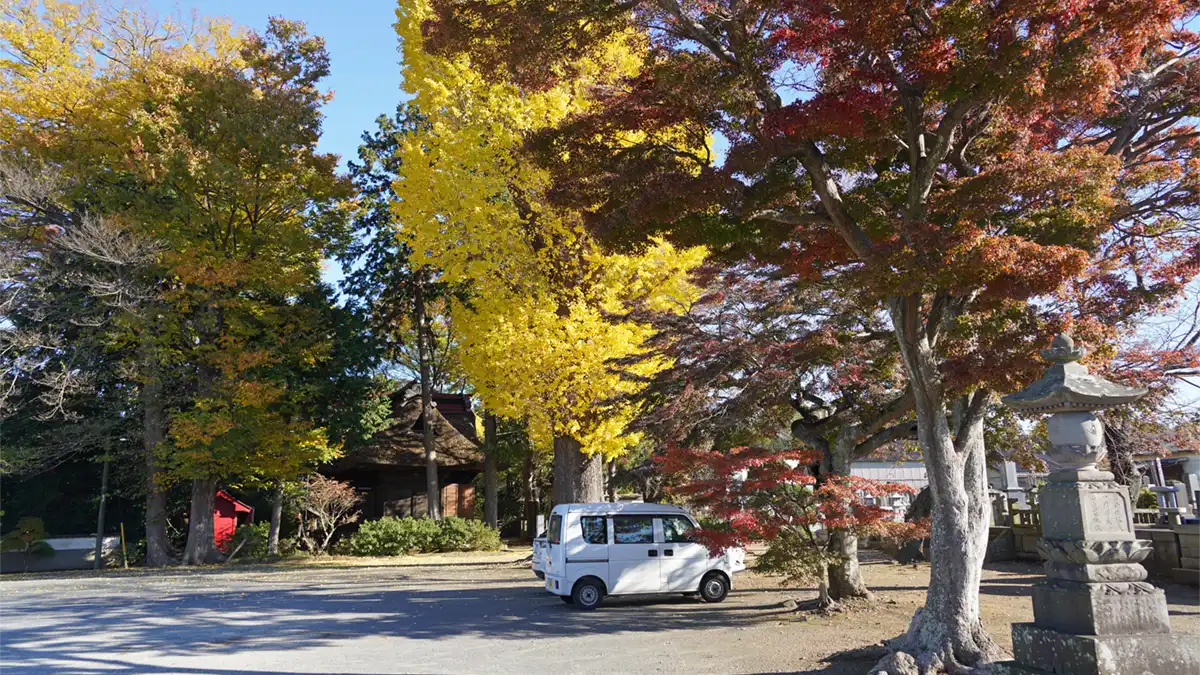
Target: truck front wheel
x,y
714,587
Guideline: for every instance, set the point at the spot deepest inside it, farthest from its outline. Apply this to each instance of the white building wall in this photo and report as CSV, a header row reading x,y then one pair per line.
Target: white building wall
x,y
910,473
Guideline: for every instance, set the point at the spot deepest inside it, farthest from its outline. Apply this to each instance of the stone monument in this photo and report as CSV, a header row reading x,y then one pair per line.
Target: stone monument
x,y
1094,613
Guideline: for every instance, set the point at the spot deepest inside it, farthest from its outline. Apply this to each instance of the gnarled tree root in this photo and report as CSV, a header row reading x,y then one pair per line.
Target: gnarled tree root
x,y
932,647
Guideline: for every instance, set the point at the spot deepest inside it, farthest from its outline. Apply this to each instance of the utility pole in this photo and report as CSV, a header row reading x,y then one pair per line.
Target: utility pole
x,y
100,516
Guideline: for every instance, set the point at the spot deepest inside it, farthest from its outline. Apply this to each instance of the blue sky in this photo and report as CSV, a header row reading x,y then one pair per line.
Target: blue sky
x,y
364,63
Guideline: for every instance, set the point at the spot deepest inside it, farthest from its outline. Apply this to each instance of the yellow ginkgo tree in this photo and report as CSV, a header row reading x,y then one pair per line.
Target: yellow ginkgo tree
x,y
545,325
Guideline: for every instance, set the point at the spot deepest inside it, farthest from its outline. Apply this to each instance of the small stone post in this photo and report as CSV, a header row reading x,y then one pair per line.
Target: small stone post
x,y
1094,613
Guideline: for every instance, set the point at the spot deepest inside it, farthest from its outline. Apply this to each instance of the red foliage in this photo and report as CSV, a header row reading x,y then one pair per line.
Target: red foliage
x,y
1007,168
756,493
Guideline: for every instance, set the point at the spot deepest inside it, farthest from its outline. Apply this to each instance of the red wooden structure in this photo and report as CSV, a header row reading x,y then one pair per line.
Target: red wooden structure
x,y
228,514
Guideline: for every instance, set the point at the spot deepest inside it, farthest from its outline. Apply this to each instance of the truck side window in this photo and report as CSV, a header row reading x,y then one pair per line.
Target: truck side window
x,y
595,530
633,529
555,534
676,529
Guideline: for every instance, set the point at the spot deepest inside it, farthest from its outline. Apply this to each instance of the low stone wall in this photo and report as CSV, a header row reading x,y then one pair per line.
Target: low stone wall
x,y
1188,571
1025,539
1001,545
1166,551
70,553
1176,550
1018,542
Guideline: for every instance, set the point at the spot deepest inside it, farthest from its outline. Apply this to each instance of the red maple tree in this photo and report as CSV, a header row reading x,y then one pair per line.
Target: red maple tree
x,y
754,495
766,350
988,172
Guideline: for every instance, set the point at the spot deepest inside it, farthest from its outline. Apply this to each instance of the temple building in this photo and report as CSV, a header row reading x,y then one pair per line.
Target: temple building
x,y
389,472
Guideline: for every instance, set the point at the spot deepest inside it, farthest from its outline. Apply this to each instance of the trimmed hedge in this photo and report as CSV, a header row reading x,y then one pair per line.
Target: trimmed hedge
x,y
400,536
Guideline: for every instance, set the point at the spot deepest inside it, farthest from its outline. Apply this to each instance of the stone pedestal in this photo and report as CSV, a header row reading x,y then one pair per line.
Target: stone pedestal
x,y
1038,651
1094,613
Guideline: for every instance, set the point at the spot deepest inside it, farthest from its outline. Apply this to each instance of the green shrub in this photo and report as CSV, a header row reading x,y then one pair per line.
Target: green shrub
x,y
460,534
1147,499
393,536
28,539
399,536
253,540
257,542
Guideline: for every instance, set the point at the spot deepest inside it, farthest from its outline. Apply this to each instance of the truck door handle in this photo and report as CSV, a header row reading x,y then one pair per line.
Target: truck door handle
x,y
669,553
652,554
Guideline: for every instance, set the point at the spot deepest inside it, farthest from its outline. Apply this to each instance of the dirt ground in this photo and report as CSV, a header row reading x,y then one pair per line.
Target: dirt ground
x,y
457,614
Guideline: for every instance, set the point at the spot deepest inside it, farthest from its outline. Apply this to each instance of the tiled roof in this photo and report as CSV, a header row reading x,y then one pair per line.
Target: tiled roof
x,y
401,444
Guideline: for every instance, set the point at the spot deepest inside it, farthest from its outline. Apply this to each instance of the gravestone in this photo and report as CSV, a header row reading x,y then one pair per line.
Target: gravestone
x,y
1094,613
1012,485
1183,498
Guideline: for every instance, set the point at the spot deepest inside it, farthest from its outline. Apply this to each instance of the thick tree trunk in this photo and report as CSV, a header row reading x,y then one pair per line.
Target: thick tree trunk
x,y
491,509
276,518
845,575
946,634
610,479
433,491
154,430
529,497
578,478
825,598
200,548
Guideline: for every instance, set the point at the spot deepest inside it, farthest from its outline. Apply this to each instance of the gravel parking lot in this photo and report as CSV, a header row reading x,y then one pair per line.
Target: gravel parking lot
x,y
466,617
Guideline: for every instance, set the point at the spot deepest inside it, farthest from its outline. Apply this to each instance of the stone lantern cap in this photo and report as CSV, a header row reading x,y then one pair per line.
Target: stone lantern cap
x,y
1067,385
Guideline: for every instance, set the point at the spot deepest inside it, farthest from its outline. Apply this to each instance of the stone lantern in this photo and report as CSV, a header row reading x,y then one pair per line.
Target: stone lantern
x,y
1094,613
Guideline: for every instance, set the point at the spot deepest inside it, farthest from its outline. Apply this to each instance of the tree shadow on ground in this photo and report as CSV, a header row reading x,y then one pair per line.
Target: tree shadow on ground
x,y
77,635
236,568
84,665
848,662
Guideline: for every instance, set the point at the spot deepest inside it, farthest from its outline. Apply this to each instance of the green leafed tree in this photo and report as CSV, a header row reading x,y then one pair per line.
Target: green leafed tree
x,y
406,307
246,207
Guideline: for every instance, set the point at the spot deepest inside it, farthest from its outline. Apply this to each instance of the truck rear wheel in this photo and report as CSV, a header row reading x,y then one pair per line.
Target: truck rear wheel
x,y
588,593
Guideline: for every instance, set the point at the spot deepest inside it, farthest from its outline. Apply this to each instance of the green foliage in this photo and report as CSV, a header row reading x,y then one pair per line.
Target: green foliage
x,y
391,536
793,556
394,536
382,287
28,538
344,392
1147,499
256,541
460,534
134,554
252,539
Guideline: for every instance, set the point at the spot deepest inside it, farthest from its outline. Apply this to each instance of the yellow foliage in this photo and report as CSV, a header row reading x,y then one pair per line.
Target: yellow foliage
x,y
192,133
539,337
75,80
